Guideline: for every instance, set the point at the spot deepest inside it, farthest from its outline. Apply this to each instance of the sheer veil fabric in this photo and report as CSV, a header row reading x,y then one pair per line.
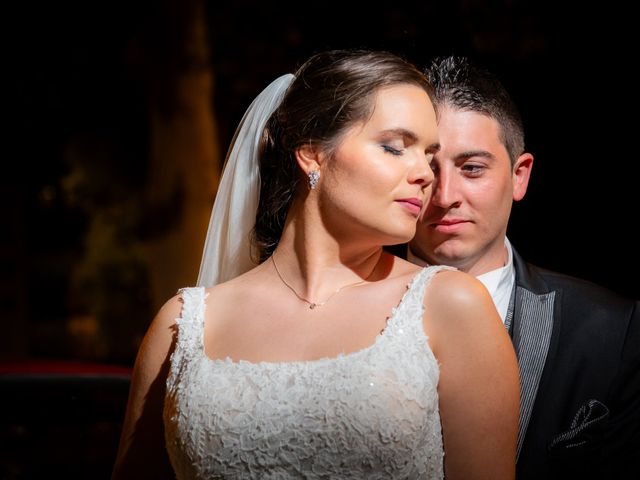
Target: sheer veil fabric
x,y
227,248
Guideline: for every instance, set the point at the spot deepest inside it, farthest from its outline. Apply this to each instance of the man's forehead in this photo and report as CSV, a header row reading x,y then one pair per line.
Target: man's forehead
x,y
468,134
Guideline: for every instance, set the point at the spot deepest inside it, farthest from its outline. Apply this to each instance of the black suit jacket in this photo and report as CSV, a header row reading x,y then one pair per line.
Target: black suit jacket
x,y
578,348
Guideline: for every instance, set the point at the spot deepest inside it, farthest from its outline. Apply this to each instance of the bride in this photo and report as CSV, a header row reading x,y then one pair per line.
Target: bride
x,y
307,351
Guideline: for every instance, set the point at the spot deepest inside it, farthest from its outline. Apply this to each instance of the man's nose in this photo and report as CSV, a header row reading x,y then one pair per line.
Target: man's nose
x,y
445,191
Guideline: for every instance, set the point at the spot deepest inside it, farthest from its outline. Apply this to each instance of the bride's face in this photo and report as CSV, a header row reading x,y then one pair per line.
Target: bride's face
x,y
377,181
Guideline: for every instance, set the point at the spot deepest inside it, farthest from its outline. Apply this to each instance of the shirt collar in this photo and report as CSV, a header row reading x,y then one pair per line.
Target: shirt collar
x,y
498,282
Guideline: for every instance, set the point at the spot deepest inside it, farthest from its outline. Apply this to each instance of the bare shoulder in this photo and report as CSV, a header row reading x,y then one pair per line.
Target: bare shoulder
x,y
459,309
160,337
169,312
456,291
239,286
478,385
227,297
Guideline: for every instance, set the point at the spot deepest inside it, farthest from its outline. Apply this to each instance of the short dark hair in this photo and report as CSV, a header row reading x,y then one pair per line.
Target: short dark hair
x,y
332,91
461,84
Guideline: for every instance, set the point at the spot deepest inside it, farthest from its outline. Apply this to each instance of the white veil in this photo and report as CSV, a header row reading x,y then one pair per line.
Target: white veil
x,y
227,249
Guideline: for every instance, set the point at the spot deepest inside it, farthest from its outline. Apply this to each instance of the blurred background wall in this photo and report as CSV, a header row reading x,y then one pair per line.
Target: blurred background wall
x,y
120,113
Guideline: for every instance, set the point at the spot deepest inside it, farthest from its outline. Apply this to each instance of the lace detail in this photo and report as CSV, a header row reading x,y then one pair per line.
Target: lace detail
x,y
367,414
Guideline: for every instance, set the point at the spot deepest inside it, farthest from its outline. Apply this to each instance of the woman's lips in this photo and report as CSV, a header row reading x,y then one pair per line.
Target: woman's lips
x,y
413,205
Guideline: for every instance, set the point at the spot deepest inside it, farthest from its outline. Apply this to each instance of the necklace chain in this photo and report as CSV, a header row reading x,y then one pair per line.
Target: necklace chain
x,y
312,305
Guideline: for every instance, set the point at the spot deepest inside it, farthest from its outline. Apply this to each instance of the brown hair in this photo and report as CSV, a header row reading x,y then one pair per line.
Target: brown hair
x,y
332,91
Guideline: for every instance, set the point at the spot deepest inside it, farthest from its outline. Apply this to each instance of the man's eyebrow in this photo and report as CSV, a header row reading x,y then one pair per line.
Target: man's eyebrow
x,y
433,148
474,153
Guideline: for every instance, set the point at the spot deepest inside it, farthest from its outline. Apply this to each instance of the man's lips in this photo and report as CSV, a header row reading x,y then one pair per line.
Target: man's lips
x,y
413,205
449,225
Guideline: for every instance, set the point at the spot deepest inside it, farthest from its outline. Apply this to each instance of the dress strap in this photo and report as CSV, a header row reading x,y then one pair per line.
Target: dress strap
x,y
419,283
190,331
412,305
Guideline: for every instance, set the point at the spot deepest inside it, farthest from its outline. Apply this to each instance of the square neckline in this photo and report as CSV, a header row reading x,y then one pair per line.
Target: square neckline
x,y
242,363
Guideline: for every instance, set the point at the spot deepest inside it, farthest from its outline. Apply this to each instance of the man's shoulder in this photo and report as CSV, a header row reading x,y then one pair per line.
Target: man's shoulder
x,y
559,279
581,291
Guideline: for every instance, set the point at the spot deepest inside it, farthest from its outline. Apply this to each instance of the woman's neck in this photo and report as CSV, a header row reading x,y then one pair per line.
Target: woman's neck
x,y
315,264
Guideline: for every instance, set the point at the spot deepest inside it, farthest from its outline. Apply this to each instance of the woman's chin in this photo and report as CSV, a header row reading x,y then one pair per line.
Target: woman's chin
x,y
400,236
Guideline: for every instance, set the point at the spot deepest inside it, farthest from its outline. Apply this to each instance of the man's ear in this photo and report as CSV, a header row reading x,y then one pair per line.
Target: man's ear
x,y
521,174
308,158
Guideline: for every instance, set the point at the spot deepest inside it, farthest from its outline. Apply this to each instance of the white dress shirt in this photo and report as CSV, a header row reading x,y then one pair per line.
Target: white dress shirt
x,y
498,282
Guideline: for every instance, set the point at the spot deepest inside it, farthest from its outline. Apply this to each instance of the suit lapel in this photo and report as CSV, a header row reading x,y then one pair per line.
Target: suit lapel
x,y
532,330
536,316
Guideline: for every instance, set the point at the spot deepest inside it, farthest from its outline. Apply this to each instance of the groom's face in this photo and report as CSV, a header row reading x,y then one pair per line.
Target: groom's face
x,y
465,220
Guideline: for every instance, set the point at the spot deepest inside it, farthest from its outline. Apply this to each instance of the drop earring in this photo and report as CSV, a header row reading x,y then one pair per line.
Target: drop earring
x,y
314,176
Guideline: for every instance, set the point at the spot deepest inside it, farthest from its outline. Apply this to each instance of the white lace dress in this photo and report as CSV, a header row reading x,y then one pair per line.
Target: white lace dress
x,y
369,414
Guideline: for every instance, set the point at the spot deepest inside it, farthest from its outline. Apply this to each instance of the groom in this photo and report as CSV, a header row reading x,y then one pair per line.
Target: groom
x,y
578,345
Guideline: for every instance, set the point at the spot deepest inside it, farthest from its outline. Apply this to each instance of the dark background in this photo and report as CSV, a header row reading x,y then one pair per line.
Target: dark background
x,y
87,77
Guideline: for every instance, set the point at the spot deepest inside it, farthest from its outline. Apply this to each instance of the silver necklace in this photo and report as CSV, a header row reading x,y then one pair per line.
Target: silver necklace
x,y
312,305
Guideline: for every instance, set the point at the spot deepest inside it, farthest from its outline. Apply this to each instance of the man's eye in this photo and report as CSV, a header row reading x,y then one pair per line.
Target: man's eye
x,y
473,168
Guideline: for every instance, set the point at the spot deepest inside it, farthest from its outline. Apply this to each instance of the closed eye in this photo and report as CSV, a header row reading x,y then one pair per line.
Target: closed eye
x,y
391,150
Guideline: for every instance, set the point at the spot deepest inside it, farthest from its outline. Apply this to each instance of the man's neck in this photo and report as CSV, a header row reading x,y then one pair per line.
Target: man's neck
x,y
473,266
487,264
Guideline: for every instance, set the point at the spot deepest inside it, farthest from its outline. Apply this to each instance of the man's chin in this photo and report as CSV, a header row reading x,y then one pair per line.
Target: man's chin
x,y
447,253
454,257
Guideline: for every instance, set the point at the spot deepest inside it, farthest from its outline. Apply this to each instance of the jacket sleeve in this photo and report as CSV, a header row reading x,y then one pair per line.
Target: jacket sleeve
x,y
622,440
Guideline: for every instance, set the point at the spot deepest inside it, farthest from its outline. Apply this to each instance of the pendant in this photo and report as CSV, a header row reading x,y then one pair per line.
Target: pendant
x,y
313,305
